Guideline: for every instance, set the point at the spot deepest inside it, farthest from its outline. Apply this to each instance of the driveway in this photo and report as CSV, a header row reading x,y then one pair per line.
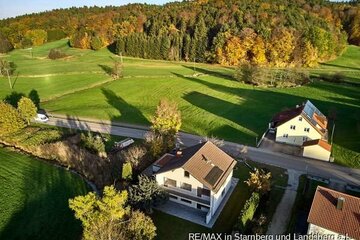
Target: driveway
x,y
283,211
268,143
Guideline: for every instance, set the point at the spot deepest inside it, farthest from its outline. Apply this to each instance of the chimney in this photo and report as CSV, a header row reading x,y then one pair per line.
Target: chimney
x,y
178,153
340,203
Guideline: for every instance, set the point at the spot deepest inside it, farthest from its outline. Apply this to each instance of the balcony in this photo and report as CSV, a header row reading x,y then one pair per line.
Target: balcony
x,y
181,193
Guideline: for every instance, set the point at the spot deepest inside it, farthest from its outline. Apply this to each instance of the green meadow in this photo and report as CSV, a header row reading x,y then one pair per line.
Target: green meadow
x,y
211,102
34,199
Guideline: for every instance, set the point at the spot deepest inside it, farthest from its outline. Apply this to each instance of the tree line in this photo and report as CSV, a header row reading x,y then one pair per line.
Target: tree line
x,y
228,32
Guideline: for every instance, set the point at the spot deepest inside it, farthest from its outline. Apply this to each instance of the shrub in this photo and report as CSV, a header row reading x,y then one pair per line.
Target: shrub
x,y
126,171
134,155
56,54
92,143
247,213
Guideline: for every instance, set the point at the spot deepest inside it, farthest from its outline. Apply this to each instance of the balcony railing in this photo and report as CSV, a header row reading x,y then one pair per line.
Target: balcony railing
x,y
182,193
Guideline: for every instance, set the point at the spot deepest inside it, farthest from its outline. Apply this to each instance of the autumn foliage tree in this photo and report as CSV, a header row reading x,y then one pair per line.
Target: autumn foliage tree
x,y
166,122
259,181
10,119
109,218
27,109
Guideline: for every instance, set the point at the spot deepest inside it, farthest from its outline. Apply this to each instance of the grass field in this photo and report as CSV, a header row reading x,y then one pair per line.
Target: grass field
x,y
211,103
34,199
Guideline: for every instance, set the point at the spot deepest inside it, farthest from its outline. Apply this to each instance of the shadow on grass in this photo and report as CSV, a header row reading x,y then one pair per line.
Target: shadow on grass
x,y
42,201
108,70
211,72
339,66
128,113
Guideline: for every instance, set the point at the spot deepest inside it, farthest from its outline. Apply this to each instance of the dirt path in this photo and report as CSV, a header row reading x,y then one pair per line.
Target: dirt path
x,y
282,215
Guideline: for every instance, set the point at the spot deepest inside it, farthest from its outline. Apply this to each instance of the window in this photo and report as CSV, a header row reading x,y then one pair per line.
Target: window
x,y
292,127
223,192
186,186
185,200
304,139
285,135
186,174
306,129
172,196
205,191
300,119
169,182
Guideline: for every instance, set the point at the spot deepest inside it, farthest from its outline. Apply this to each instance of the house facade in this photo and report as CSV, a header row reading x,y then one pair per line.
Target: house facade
x,y
198,177
301,125
334,214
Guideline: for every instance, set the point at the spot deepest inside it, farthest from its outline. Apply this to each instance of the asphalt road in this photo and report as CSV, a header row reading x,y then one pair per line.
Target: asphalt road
x,y
303,165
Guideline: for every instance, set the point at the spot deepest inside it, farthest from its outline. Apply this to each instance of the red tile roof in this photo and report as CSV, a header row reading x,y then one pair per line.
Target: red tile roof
x,y
325,214
320,142
284,116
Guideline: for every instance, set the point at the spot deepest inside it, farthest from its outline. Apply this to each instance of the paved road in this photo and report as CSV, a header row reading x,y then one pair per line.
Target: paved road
x,y
300,164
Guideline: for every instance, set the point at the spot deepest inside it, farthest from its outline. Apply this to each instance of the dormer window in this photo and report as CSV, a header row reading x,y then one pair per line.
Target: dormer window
x,y
186,174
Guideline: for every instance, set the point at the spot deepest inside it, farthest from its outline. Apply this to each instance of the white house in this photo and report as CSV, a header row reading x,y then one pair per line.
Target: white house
x,y
301,125
334,214
198,176
318,149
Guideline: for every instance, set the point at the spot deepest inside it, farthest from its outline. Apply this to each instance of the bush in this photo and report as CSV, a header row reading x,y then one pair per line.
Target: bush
x,y
92,143
126,171
134,155
56,54
247,213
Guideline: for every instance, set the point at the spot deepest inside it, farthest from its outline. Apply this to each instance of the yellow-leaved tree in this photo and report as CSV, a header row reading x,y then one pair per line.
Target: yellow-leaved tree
x,y
109,218
259,181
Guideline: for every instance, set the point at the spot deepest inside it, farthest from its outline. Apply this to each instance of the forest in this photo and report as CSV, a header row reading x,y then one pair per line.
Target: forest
x,y
277,33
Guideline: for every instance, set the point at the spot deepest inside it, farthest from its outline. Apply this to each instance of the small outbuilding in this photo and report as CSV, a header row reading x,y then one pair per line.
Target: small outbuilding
x,y
317,149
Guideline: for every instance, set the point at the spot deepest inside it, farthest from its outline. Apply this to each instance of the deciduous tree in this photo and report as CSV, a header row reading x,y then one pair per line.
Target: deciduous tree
x,y
10,119
102,218
259,181
27,109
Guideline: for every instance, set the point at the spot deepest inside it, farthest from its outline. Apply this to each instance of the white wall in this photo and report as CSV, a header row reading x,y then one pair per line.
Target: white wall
x,y
317,152
178,175
314,229
296,136
216,197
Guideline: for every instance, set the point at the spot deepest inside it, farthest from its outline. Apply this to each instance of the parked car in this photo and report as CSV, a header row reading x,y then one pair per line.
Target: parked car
x,y
41,118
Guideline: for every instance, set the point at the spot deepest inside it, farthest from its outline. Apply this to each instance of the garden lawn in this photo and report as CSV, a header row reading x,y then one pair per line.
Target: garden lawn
x,y
34,199
211,102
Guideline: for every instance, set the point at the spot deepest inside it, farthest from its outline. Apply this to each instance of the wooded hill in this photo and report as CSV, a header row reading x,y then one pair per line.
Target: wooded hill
x,y
263,32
